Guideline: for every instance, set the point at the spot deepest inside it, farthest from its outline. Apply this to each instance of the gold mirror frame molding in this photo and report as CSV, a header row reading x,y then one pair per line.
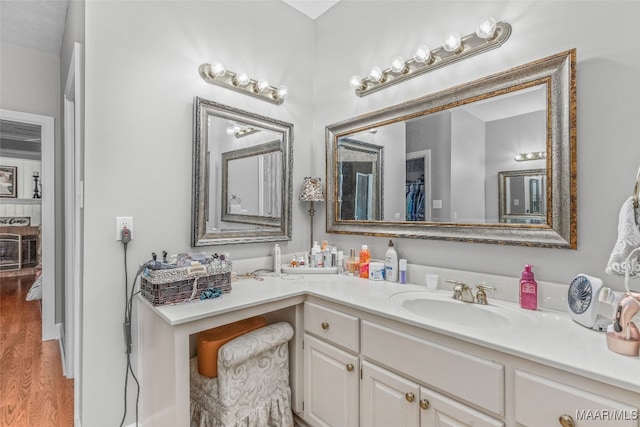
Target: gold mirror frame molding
x,y
278,231
558,72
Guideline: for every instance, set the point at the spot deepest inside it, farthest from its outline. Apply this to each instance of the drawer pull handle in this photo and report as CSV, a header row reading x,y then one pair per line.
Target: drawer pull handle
x,y
325,325
424,404
410,397
350,367
566,421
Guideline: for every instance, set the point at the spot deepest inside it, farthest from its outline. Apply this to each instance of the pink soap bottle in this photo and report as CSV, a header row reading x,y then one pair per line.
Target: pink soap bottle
x,y
528,289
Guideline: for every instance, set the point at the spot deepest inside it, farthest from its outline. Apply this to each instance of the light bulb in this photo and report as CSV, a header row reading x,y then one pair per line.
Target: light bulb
x,y
262,85
375,74
355,82
282,92
423,54
486,29
530,156
452,42
518,157
242,78
217,69
397,65
543,154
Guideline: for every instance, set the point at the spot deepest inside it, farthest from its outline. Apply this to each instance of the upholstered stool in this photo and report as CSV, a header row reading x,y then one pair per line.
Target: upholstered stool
x,y
252,386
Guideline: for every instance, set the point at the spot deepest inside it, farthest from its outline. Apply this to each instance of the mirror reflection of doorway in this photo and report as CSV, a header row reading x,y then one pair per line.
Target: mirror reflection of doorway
x,y
364,191
534,196
355,172
418,186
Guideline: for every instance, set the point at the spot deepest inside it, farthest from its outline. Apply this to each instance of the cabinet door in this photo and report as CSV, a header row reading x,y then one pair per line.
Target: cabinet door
x,y
541,401
387,399
331,384
444,412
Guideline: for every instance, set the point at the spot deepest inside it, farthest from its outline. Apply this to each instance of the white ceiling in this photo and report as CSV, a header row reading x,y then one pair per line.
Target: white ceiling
x,y
32,23
39,24
312,8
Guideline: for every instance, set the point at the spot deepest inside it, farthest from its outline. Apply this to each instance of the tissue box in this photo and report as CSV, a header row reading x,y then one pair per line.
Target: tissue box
x,y
210,341
184,284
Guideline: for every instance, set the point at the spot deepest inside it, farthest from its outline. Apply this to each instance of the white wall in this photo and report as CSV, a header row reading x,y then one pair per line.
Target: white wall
x,y
141,64
608,151
467,167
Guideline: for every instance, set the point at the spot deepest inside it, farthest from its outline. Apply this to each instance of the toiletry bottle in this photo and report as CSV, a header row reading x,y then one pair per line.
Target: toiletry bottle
x,y
528,289
341,269
318,256
365,257
351,262
402,266
391,264
276,259
326,256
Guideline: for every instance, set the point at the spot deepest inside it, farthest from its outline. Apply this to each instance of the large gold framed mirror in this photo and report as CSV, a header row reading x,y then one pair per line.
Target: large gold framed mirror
x,y
242,176
445,155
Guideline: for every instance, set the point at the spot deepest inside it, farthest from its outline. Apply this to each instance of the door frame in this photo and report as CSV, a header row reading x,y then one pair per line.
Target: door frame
x,y
48,223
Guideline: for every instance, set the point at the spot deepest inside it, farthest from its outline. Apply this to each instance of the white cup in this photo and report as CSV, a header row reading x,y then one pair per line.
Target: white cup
x,y
432,281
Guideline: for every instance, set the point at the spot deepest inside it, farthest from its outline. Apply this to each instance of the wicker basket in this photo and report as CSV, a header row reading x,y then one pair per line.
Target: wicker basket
x,y
183,284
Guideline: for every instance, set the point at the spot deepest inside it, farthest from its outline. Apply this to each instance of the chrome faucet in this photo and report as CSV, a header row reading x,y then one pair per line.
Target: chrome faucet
x,y
462,292
481,295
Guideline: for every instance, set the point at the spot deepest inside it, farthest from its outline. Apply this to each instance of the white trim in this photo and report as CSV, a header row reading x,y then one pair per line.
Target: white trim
x,y
61,340
73,217
48,224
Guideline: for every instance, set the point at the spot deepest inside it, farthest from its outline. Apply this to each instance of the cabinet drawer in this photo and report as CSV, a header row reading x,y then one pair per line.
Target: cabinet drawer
x,y
540,402
339,328
476,380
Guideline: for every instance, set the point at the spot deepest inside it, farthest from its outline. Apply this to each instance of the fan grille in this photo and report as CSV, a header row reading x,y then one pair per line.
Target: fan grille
x,y
580,294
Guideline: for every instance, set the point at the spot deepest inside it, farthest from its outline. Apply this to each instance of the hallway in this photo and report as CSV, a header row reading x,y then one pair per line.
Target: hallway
x,y
33,390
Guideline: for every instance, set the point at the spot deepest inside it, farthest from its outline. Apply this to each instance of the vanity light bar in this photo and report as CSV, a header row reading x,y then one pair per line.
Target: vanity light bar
x,y
488,36
536,155
245,131
216,74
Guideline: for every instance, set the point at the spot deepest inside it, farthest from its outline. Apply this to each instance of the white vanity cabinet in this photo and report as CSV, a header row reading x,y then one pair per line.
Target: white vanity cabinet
x,y
540,401
388,399
331,373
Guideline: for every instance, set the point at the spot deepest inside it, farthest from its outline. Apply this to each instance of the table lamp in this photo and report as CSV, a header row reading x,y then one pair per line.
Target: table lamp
x,y
312,192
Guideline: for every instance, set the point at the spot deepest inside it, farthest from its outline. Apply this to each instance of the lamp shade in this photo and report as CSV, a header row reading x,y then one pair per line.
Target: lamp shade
x,y
312,190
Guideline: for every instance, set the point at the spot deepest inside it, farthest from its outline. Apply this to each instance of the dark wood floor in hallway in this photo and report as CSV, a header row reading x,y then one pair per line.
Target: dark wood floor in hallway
x,y
33,390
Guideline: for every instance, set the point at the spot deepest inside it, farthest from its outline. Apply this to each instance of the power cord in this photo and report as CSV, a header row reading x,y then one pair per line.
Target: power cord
x,y
128,312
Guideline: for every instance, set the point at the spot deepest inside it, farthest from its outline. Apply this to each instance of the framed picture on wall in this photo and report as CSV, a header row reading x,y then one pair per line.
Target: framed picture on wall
x,y
8,181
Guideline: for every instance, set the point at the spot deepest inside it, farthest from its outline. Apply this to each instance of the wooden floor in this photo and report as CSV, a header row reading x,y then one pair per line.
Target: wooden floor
x,y
33,391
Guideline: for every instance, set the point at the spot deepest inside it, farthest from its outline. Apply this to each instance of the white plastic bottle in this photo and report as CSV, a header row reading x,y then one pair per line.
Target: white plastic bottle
x,y
277,262
391,263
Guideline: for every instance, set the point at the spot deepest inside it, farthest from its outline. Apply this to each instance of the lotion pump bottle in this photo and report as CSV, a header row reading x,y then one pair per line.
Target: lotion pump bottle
x,y
391,264
528,289
365,257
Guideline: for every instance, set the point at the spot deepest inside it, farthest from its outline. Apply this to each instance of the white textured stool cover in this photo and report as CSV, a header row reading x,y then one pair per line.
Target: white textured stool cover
x,y
252,387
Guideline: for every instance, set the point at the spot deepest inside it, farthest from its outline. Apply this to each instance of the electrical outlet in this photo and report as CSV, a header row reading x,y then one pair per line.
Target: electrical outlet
x,y
122,222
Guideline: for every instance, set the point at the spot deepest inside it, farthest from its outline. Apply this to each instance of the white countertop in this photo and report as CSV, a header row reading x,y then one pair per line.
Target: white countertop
x,y
555,340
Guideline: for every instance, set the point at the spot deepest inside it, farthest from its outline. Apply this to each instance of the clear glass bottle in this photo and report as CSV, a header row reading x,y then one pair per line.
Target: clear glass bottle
x,y
352,262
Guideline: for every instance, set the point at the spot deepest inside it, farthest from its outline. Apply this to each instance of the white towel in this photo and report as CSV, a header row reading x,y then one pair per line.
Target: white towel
x,y
628,240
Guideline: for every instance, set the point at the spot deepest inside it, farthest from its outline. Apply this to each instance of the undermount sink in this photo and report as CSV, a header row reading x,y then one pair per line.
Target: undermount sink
x,y
442,308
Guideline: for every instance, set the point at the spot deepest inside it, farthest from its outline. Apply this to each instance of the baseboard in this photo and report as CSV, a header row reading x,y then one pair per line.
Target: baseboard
x,y
59,329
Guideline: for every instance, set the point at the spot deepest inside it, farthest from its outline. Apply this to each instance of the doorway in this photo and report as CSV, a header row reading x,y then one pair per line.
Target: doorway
x,y
46,186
